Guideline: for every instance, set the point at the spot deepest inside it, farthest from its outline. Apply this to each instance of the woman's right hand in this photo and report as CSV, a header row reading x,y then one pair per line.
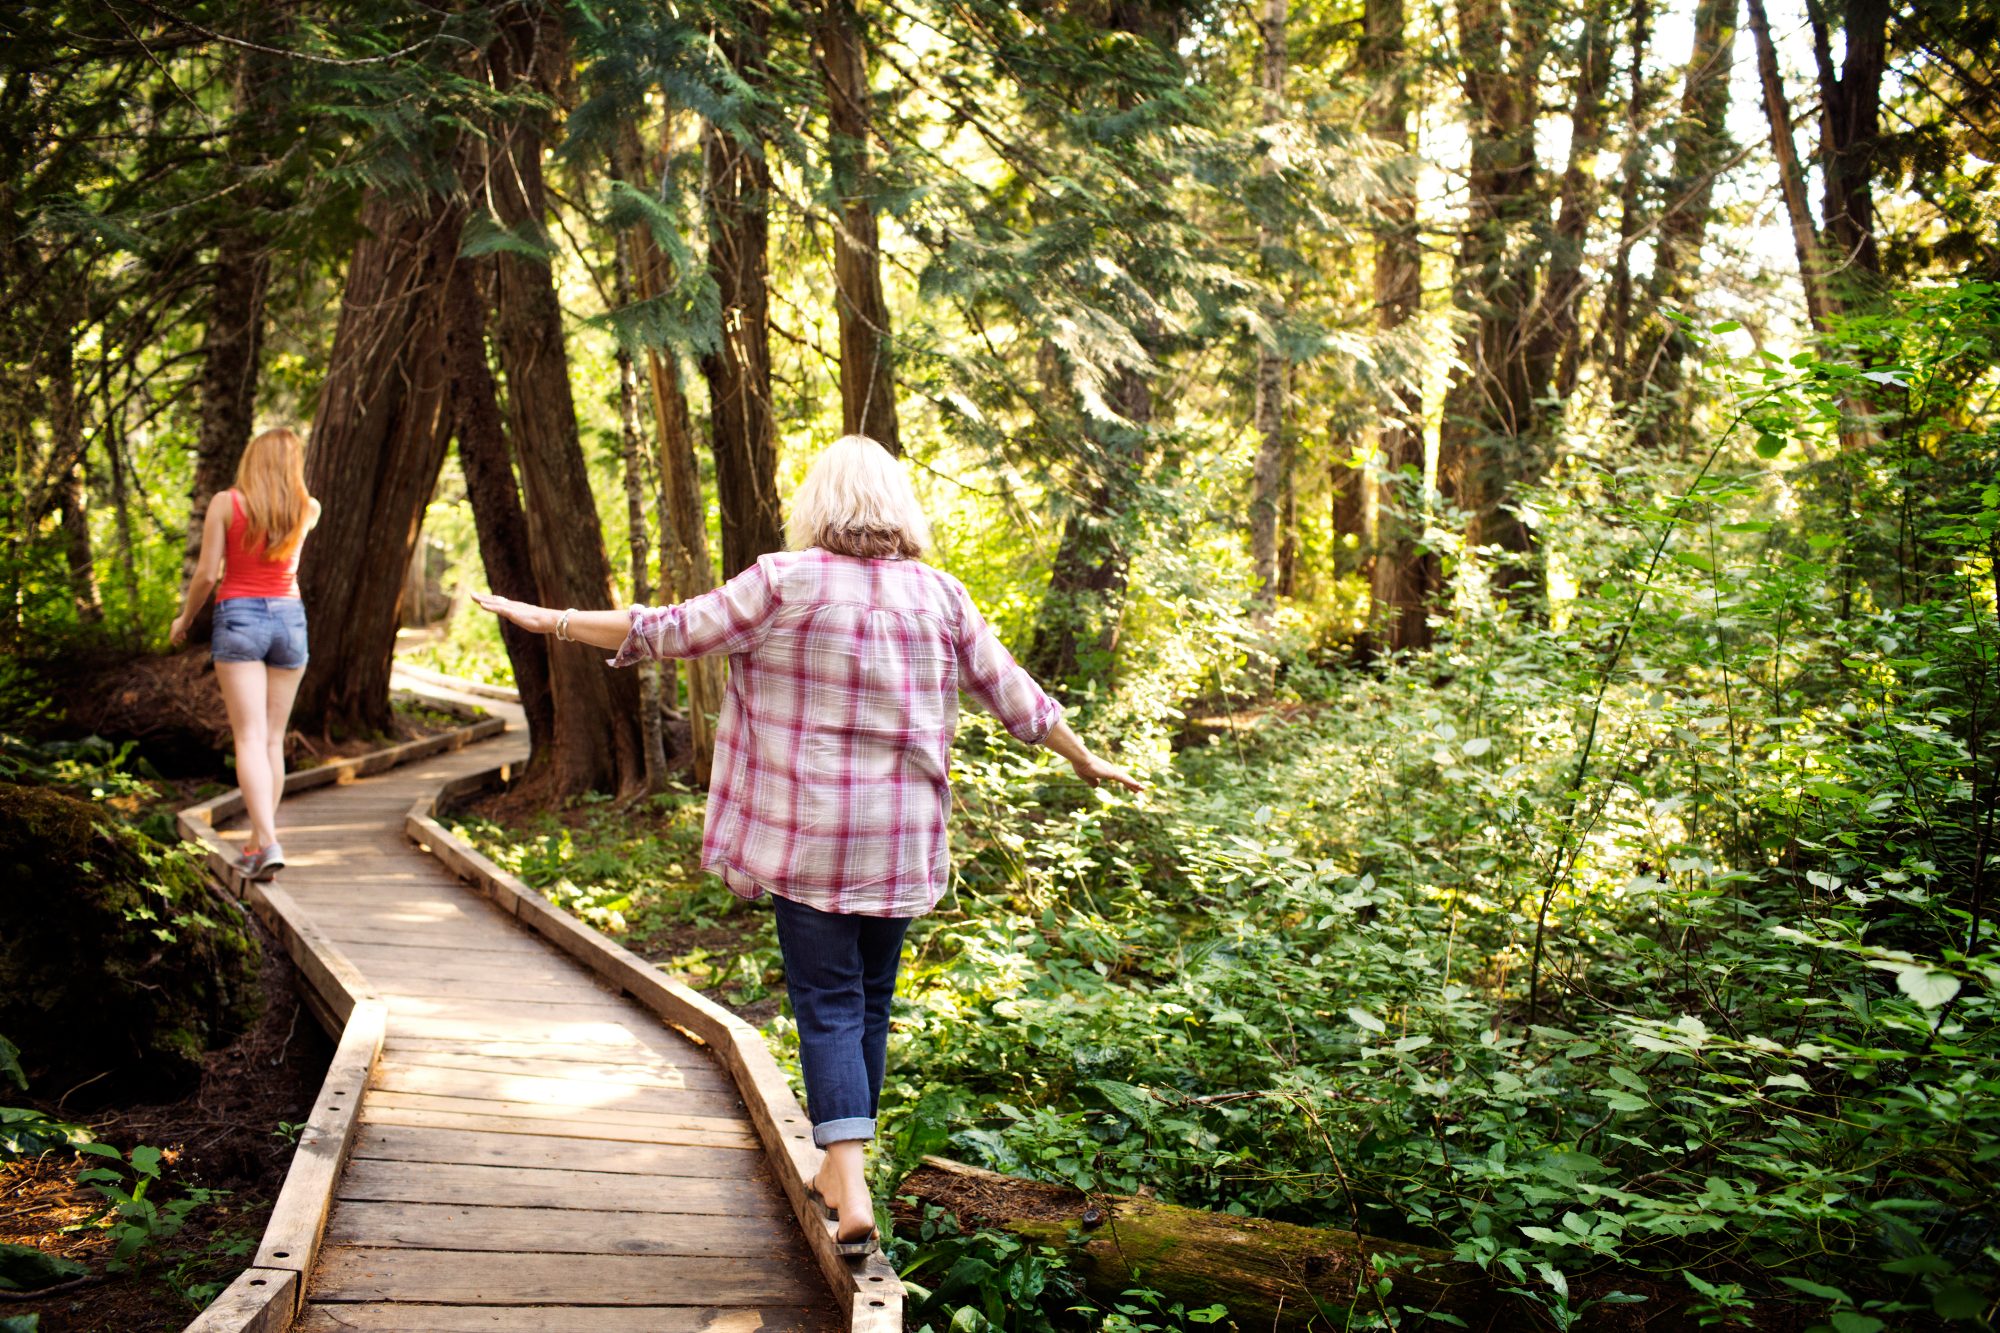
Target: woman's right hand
x,y
534,619
1094,768
178,631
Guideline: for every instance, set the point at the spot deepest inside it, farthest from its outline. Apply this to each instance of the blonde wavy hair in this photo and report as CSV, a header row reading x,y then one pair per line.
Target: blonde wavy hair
x,y
271,478
857,500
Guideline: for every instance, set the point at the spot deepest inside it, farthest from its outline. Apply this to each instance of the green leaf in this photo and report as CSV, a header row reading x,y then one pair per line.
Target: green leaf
x,y
1825,1293
1927,986
1695,559
146,1160
1363,1019
1955,1300
1769,446
1853,1321
10,1064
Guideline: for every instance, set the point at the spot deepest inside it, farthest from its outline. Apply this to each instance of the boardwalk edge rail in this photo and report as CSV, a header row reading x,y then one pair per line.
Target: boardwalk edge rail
x,y
265,1297
870,1290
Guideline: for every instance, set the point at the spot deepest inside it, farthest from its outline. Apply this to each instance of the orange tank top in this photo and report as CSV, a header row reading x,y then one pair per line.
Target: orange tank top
x,y
245,570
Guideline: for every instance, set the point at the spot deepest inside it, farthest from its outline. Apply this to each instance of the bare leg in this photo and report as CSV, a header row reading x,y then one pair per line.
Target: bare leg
x,y
842,1181
281,688
243,694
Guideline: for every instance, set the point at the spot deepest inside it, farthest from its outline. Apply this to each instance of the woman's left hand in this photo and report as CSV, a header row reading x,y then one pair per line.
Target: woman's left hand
x,y
534,619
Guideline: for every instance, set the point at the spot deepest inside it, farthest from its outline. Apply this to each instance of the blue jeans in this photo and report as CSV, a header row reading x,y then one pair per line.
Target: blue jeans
x,y
840,972
271,630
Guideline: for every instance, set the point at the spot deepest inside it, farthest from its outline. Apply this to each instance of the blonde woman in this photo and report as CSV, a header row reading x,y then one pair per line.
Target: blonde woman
x,y
832,755
250,542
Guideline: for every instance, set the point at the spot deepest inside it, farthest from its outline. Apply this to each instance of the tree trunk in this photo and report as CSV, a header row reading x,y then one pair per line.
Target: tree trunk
x,y
66,432
743,432
1553,346
595,744
231,353
233,336
1701,147
1632,172
378,440
1850,131
1076,630
1791,177
685,568
867,367
497,517
1399,579
651,744
1489,443
1268,480
1269,1274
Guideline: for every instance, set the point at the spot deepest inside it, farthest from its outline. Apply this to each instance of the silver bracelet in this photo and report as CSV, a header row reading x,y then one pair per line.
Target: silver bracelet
x,y
562,625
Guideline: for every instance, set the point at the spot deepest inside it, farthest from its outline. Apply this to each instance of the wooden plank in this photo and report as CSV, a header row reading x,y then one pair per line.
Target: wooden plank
x,y
551,1190
583,1033
292,1236
444,998
638,1055
667,1121
600,1004
459,1226
512,943
401,1318
455,1277
574,1092
374,1114
472,1147
260,1300
665,1074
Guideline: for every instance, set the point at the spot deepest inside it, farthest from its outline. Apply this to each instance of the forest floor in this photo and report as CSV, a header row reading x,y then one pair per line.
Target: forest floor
x,y
229,1135
232,1135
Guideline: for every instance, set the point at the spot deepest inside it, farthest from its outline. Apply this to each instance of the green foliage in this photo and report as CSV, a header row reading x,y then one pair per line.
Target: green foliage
x,y
133,1214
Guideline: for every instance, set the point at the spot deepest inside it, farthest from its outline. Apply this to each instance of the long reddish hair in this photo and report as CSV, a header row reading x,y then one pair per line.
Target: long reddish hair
x,y
272,481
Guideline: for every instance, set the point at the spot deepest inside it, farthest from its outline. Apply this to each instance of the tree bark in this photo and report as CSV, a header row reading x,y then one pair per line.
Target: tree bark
x,y
1399,581
497,517
743,432
1820,306
1076,630
1701,147
867,365
651,743
1632,173
232,351
1273,368
1850,132
378,440
1489,443
66,432
1270,1274
1553,347
685,568
595,743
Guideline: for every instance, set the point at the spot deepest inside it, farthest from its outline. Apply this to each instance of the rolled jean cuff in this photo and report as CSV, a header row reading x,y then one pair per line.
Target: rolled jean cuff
x,y
840,1131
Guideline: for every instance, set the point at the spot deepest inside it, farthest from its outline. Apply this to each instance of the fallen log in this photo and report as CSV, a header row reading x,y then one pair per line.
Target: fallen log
x,y
1271,1275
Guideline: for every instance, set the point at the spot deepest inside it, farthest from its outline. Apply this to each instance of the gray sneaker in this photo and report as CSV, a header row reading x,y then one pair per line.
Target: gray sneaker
x,y
264,862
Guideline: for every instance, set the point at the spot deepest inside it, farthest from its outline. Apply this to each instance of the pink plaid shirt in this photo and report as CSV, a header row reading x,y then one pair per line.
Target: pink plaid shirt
x,y
833,748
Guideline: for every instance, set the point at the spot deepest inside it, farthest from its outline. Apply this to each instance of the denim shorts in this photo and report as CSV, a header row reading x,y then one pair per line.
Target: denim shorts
x,y
271,630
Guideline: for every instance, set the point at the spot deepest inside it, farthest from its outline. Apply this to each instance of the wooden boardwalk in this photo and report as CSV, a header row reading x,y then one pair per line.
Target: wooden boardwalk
x,y
534,1150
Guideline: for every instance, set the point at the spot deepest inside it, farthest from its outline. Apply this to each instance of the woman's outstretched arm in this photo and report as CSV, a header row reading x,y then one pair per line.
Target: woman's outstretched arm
x,y
600,629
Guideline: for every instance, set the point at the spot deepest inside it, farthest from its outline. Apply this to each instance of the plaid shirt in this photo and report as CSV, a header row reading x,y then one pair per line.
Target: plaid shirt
x,y
833,748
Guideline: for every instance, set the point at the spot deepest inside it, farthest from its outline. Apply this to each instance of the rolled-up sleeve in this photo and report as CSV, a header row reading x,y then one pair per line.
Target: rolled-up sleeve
x,y
729,620
989,673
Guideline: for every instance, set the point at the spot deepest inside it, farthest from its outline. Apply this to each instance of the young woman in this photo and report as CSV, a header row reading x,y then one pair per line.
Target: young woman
x,y
832,752
250,541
